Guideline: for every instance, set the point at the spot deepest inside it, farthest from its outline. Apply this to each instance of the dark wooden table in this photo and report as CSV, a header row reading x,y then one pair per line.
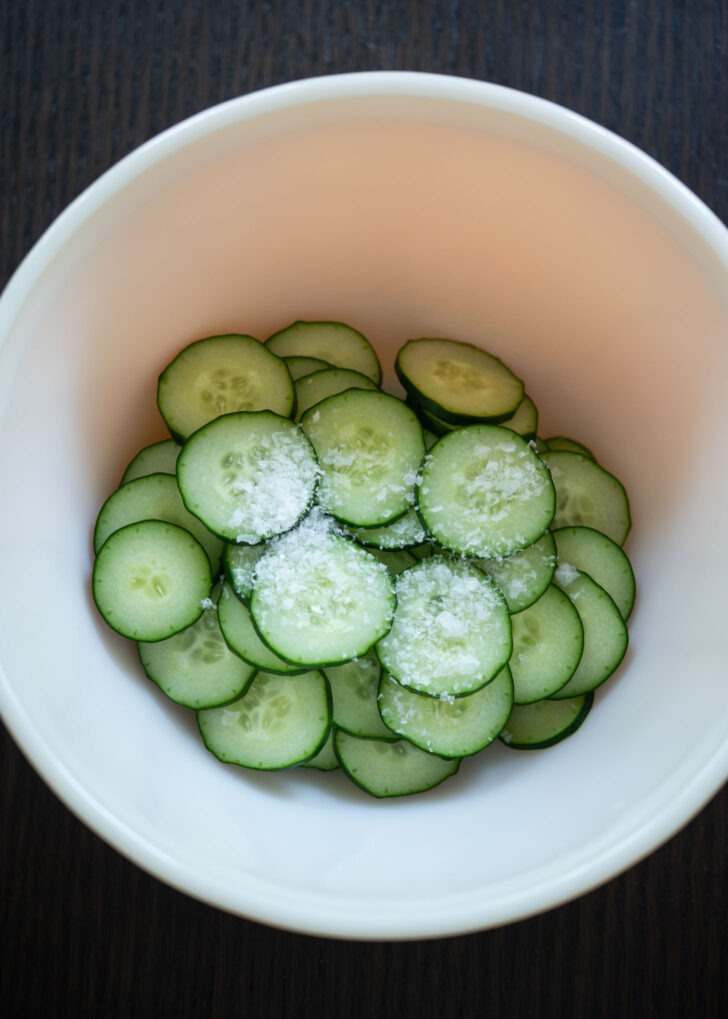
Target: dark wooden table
x,y
83,932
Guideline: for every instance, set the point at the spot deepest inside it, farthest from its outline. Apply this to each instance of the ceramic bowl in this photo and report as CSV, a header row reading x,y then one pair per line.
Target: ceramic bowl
x,y
407,205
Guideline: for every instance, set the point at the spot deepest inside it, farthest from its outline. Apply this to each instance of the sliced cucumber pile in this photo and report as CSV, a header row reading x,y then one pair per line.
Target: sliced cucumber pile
x,y
334,577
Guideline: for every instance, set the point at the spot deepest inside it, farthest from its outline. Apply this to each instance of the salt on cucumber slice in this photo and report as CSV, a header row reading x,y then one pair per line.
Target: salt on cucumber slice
x,y
458,381
157,458
385,768
483,492
605,632
299,365
588,495
451,632
150,580
152,497
524,576
548,641
238,563
279,722
402,533
354,687
220,375
603,559
319,598
248,476
335,342
369,447
545,723
456,727
195,667
313,388
243,639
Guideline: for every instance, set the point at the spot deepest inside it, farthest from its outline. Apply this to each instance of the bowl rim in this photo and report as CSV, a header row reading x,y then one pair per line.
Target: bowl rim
x,y
455,914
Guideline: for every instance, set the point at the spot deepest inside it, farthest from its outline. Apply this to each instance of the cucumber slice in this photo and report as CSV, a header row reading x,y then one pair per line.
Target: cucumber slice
x,y
524,576
239,562
280,721
483,492
157,458
562,442
196,668
385,768
451,632
545,723
587,495
241,636
603,559
314,388
298,366
605,632
395,559
151,579
524,419
318,598
457,381
548,640
152,497
339,344
354,687
369,447
325,759
458,727
219,375
248,476
402,533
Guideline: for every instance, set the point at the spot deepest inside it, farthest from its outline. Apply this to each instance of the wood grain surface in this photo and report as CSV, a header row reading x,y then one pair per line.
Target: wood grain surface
x,y
83,932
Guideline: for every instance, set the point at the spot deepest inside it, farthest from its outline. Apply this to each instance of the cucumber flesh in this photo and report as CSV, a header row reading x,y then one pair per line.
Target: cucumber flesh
x,y
545,723
313,388
220,375
386,768
280,721
354,686
150,580
603,559
483,492
588,495
456,727
524,576
157,458
548,641
335,342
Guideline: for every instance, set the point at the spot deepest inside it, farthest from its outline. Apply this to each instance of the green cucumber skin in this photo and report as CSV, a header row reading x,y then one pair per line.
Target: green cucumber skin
x,y
557,737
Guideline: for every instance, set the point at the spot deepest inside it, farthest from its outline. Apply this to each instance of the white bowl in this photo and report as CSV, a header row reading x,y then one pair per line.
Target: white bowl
x,y
407,205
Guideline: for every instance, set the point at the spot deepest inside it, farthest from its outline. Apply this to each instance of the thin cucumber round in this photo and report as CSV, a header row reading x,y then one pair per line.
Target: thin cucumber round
x,y
153,497
319,598
483,492
545,723
241,636
196,668
457,727
220,375
248,476
402,533
524,419
299,365
458,381
313,388
325,759
150,580
548,641
564,443
280,721
238,563
451,632
588,495
354,686
335,342
524,576
605,632
385,768
603,559
157,458
369,447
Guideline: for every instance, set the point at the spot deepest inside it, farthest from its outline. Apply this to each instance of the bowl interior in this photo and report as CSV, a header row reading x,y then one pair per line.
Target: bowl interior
x,y
406,206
